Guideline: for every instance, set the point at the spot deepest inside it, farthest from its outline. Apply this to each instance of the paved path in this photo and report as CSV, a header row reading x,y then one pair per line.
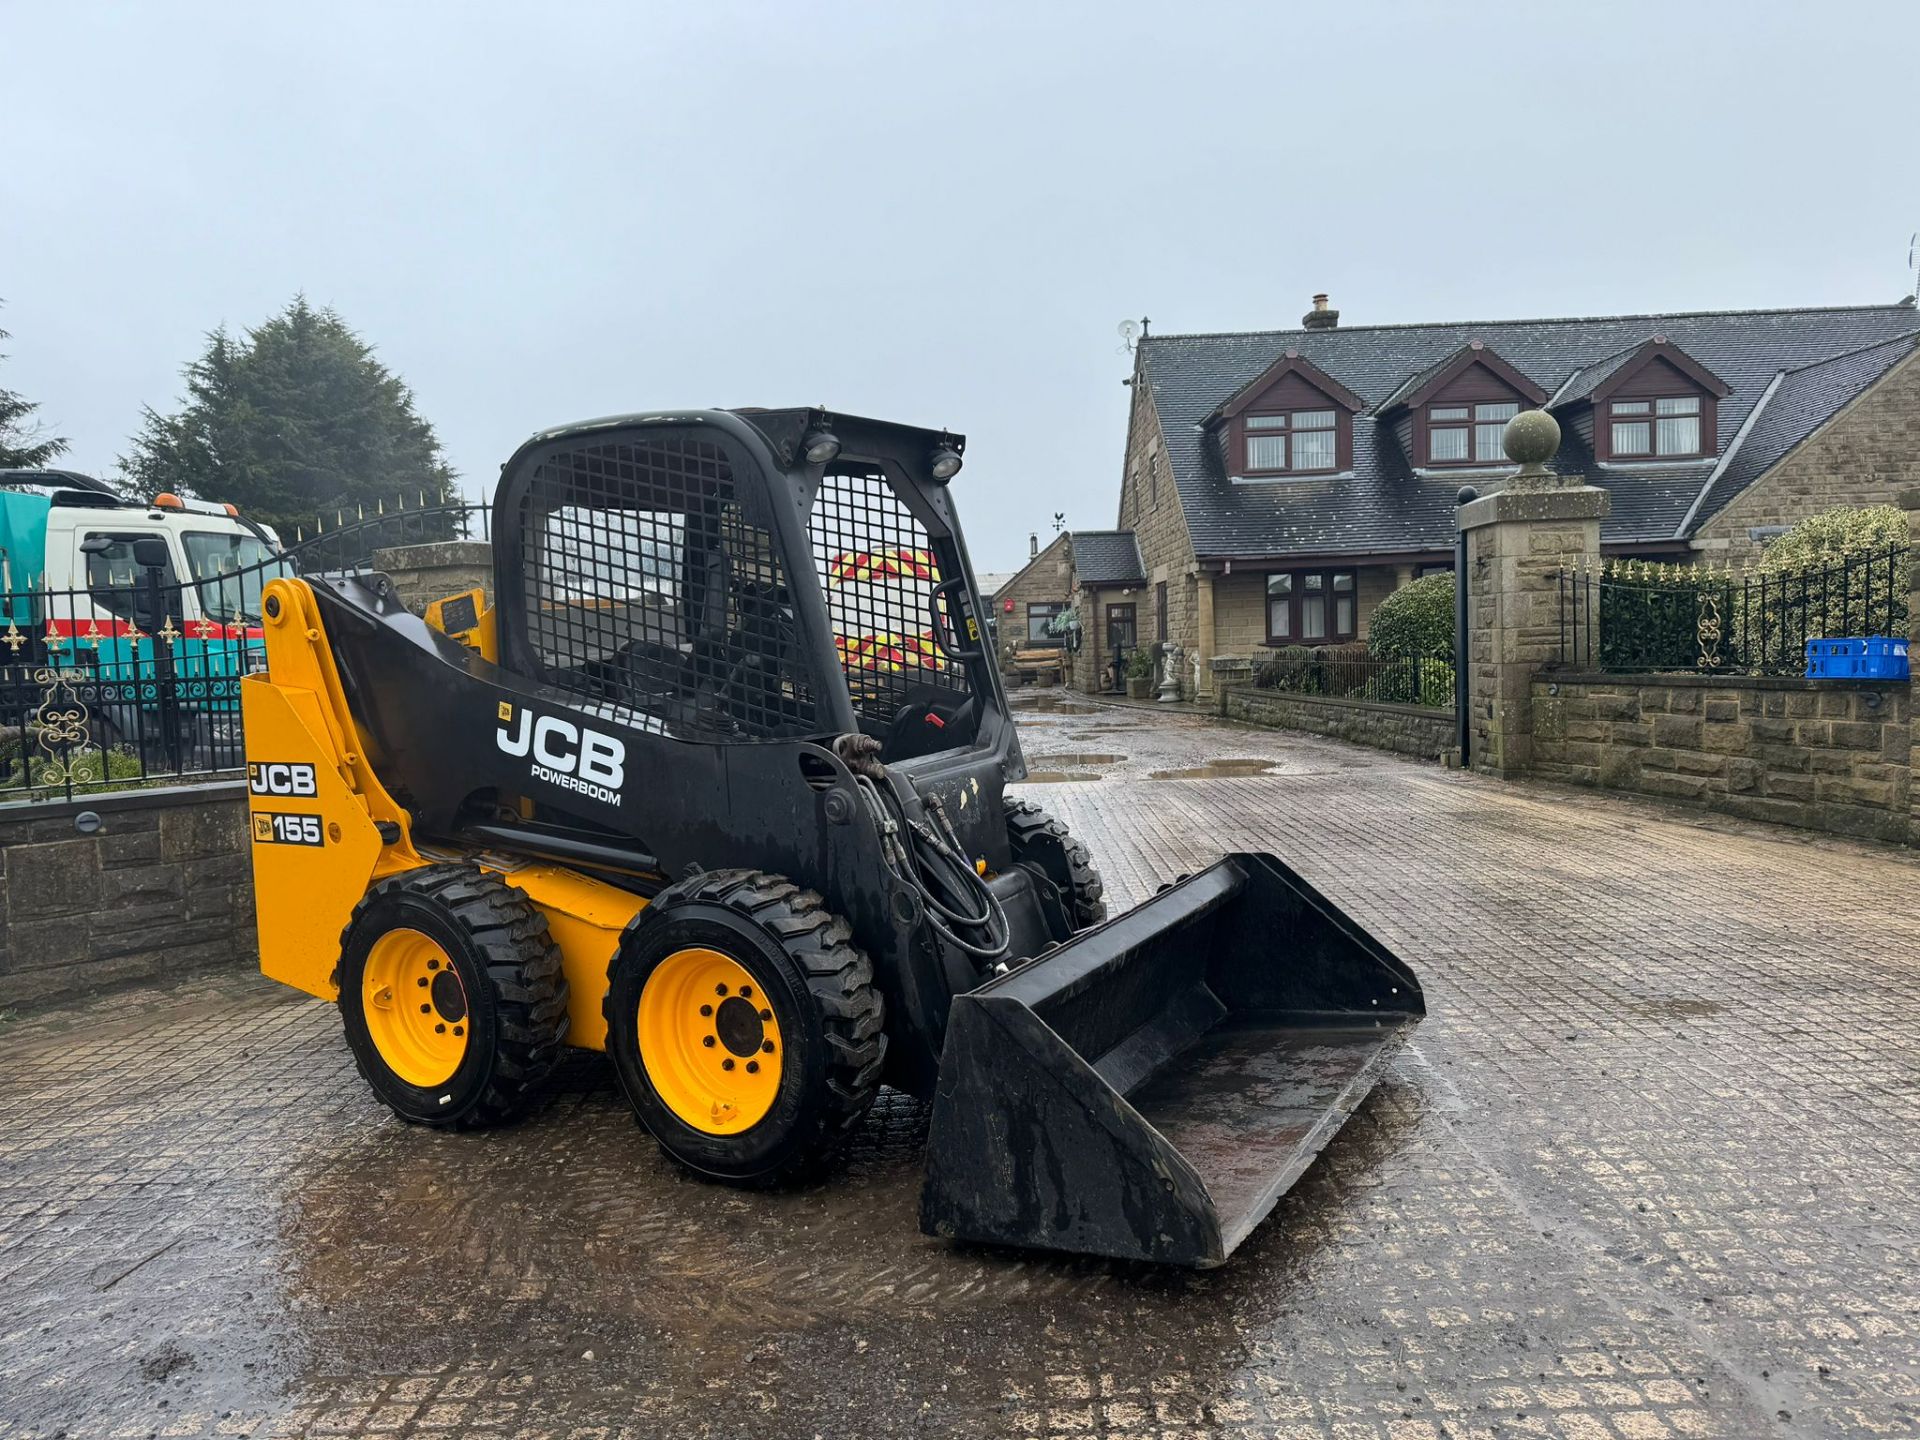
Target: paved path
x,y
1648,1170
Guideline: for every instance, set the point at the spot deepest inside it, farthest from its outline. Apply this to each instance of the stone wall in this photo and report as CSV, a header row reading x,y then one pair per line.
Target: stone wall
x,y
1865,455
1404,729
1816,754
422,574
1150,507
164,884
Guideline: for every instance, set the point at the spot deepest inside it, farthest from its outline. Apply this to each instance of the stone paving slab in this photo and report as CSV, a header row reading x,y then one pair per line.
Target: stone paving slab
x,y
1647,1170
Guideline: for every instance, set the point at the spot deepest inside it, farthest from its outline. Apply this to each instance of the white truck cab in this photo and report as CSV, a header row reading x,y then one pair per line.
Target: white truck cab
x,y
216,561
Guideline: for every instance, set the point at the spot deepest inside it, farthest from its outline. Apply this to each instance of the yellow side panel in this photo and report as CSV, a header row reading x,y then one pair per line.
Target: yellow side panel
x,y
315,848
585,917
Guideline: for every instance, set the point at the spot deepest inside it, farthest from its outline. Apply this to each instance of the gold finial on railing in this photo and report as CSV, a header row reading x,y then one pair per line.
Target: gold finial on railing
x,y
93,636
203,628
167,631
13,639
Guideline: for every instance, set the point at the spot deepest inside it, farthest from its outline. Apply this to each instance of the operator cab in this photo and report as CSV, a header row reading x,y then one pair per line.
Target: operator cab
x,y
701,576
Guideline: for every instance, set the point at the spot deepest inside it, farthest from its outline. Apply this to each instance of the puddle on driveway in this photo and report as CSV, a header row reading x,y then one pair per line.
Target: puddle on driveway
x,y
1216,770
1074,760
1053,705
1059,777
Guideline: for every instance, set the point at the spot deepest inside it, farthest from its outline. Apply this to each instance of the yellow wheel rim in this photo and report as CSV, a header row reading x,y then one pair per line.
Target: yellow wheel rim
x,y
709,1041
416,1008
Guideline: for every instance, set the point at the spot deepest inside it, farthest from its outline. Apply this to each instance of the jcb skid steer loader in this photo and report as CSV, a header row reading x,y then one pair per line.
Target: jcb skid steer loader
x,y
718,785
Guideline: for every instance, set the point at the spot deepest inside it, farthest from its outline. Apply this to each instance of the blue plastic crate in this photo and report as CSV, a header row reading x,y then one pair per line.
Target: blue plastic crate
x,y
1869,657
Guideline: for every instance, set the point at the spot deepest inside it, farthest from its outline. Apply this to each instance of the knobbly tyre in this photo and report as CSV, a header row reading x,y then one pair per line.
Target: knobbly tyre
x,y
717,784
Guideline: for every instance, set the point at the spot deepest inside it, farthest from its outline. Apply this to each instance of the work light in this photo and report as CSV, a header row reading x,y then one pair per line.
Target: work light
x,y
945,463
820,446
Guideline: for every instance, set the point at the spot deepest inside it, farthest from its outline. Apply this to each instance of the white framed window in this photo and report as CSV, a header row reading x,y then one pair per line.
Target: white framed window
x,y
1293,442
1668,427
1468,434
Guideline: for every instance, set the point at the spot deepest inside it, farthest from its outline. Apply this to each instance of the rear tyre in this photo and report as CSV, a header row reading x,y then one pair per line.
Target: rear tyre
x,y
1037,838
452,995
745,1027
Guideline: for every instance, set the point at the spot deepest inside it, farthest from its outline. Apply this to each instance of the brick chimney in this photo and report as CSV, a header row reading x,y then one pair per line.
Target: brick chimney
x,y
1320,317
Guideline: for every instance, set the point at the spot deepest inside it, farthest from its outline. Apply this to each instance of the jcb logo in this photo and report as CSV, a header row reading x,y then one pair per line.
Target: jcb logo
x,y
269,779
565,754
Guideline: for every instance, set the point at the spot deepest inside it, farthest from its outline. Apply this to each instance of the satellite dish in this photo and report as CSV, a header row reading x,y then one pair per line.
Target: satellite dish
x,y
1129,332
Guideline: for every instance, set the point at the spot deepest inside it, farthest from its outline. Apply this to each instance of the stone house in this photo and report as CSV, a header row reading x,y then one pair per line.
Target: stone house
x,y
1096,574
1037,592
1279,484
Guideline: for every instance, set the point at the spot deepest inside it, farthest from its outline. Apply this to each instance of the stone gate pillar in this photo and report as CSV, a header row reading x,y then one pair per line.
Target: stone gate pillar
x,y
1519,539
436,569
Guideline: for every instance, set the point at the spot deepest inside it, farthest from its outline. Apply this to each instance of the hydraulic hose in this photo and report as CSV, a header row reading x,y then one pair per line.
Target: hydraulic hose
x,y
929,860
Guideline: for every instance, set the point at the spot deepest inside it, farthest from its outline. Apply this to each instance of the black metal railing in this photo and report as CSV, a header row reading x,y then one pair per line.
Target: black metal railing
x,y
1349,672
349,542
1633,616
135,679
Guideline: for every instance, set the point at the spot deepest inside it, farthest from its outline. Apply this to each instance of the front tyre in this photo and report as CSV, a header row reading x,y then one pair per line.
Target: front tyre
x,y
1037,838
452,996
744,1026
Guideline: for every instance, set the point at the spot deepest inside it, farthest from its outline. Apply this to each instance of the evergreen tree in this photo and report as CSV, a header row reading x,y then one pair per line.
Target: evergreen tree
x,y
294,421
21,442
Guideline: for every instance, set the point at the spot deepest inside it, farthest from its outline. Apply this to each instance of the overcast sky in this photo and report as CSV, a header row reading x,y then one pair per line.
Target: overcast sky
x,y
932,213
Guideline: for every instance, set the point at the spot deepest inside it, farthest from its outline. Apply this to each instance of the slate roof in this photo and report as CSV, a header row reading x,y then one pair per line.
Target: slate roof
x,y
1107,557
1802,402
1413,382
1583,382
1383,506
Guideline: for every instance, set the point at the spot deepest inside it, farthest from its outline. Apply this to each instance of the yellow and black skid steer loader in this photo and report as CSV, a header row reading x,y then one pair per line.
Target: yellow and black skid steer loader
x,y
717,784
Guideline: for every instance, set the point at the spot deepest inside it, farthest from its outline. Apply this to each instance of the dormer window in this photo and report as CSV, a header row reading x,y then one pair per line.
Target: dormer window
x,y
1653,402
1293,419
1469,434
1455,412
1668,426
1292,442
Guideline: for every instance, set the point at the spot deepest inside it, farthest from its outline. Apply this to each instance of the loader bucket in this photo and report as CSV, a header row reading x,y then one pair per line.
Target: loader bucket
x,y
1151,1088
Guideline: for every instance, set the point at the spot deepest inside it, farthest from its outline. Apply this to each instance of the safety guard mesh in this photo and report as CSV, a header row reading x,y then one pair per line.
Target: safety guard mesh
x,y
878,569
656,591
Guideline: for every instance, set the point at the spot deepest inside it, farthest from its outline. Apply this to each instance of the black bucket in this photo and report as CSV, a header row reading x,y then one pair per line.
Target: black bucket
x,y
1150,1089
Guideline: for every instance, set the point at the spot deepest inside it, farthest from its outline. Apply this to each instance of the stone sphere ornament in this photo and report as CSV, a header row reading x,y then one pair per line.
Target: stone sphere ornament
x,y
1532,438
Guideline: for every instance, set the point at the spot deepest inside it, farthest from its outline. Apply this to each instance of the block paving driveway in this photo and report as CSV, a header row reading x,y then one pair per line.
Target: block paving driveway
x,y
1649,1169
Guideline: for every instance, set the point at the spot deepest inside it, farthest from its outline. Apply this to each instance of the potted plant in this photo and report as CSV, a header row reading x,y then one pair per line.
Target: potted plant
x,y
1140,668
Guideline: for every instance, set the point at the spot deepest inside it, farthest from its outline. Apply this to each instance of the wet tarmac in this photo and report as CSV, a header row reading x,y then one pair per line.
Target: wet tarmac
x,y
1645,1171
